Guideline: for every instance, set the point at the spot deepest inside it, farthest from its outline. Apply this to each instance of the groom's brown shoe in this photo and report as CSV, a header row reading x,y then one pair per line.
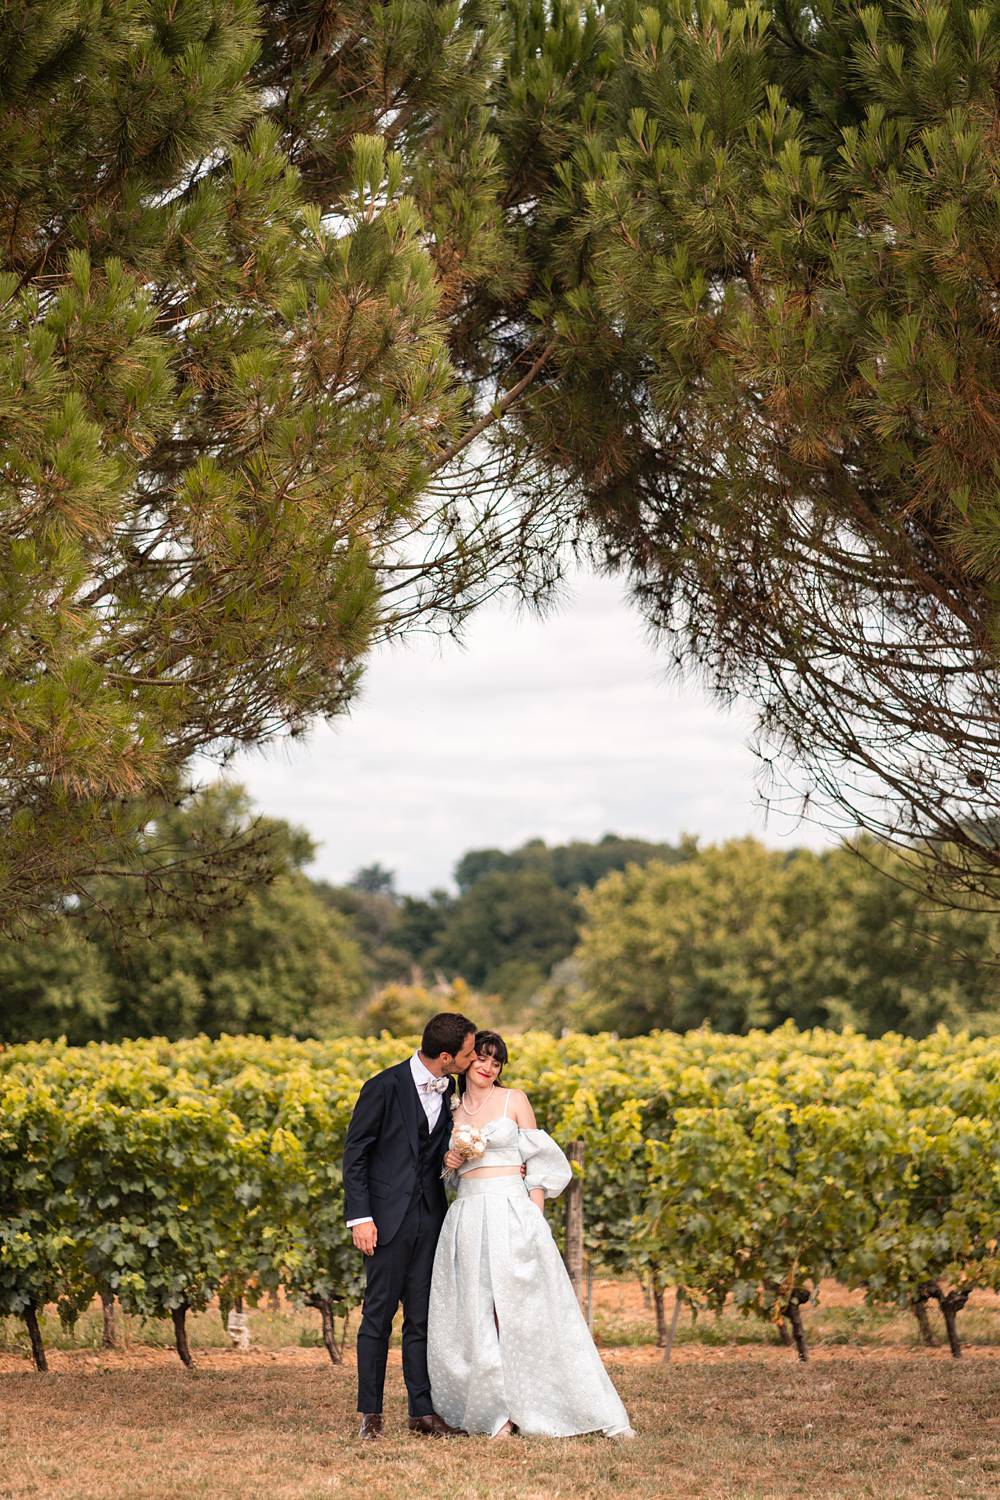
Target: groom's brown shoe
x,y
371,1426
434,1426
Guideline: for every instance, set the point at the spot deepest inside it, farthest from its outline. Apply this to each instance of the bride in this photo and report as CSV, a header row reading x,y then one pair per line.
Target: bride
x,y
507,1346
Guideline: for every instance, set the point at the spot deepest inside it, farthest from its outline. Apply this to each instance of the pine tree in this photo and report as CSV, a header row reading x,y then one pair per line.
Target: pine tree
x,y
321,322
738,267
796,223
219,405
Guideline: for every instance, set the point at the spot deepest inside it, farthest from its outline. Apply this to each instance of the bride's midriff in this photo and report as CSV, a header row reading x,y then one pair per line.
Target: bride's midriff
x,y
492,1172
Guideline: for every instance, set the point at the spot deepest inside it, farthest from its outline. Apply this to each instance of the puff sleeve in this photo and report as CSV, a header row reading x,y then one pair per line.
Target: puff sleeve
x,y
547,1167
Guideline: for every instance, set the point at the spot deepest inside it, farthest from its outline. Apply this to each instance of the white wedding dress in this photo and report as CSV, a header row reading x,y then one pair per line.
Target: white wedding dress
x,y
536,1364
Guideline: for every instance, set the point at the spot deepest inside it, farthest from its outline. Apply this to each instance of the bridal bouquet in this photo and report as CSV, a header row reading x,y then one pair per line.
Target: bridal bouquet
x,y
469,1143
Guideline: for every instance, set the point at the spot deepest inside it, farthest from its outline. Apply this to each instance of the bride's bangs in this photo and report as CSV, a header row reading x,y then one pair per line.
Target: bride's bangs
x,y
491,1044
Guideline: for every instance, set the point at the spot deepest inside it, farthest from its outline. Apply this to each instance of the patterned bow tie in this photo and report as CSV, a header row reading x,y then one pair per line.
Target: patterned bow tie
x,y
434,1085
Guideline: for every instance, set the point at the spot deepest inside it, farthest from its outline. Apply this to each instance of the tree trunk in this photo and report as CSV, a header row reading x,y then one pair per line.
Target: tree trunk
x,y
574,1223
951,1305
668,1345
343,1332
647,1295
783,1333
793,1312
326,1314
661,1317
919,1305
110,1338
35,1335
179,1316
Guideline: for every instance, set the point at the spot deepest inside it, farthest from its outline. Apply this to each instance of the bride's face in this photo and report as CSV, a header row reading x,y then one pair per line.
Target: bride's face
x,y
484,1070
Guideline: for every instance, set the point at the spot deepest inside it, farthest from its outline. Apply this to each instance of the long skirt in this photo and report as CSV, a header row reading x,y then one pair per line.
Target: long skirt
x,y
506,1340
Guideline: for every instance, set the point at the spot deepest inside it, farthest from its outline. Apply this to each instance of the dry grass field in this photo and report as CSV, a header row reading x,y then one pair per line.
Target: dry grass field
x,y
876,1416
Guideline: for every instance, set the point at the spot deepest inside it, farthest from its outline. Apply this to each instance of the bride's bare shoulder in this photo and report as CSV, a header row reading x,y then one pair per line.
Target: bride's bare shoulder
x,y
520,1109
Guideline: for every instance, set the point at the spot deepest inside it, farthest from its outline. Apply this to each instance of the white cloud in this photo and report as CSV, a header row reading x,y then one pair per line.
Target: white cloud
x,y
563,727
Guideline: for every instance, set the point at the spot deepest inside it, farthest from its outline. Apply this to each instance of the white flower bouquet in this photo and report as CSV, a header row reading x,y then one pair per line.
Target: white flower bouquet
x,y
468,1142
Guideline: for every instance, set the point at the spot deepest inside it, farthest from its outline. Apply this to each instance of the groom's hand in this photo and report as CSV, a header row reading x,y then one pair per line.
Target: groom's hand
x,y
365,1238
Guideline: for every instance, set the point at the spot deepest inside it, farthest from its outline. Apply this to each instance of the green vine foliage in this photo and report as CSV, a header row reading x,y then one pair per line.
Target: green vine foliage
x,y
166,1174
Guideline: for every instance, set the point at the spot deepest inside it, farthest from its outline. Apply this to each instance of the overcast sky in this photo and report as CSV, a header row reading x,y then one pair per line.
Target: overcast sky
x,y
562,728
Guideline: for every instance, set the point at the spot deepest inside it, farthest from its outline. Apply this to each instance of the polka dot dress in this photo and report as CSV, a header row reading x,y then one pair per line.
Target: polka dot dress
x,y
534,1363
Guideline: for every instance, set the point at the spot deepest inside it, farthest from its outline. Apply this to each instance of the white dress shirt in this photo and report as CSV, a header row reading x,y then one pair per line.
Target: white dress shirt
x,y
432,1101
431,1098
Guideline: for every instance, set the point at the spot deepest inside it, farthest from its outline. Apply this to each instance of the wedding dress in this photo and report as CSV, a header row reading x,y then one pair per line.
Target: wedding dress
x,y
534,1364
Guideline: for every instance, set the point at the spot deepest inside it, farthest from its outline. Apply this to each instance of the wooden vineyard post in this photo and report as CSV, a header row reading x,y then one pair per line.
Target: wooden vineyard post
x,y
574,1223
110,1337
237,1326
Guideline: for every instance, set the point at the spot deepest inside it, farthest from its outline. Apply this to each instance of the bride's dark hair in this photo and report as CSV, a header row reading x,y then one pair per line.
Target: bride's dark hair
x,y
488,1044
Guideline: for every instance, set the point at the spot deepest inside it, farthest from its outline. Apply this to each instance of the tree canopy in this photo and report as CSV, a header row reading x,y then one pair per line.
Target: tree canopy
x,y
322,325
568,866
220,406
740,936
736,935
278,959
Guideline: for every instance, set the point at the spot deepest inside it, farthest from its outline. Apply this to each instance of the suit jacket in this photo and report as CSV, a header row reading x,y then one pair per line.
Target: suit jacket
x,y
382,1149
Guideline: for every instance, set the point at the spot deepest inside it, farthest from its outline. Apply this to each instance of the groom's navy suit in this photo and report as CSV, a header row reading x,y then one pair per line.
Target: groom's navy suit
x,y
392,1171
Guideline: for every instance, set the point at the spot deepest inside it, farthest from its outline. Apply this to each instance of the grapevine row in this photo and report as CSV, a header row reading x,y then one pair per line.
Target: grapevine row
x,y
165,1174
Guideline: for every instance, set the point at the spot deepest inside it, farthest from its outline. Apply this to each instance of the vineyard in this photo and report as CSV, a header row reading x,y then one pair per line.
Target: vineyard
x,y
166,1174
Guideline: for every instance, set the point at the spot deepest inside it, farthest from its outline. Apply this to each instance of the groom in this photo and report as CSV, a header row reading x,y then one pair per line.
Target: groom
x,y
394,1202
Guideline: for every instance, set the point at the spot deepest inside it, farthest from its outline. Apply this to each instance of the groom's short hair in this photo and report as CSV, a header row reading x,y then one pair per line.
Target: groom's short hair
x,y
445,1033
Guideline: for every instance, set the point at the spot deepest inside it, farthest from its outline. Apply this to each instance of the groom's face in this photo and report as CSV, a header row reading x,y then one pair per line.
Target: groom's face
x,y
461,1062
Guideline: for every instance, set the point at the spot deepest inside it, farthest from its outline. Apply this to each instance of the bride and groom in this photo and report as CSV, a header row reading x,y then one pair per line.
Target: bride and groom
x,y
493,1338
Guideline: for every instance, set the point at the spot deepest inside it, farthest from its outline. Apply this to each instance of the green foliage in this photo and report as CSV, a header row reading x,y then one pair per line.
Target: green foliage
x,y
776,212
40,1253
280,962
568,866
704,283
734,252
734,935
741,936
506,933
749,1167
220,409
503,938
404,1009
157,1185
56,985
938,1229
374,880
272,957
291,1196
393,932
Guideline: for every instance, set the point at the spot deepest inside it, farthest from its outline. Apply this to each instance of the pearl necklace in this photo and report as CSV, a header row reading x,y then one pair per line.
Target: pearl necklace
x,y
479,1106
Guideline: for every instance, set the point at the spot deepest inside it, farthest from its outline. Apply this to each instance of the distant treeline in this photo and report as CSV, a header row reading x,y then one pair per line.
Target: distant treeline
x,y
622,934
